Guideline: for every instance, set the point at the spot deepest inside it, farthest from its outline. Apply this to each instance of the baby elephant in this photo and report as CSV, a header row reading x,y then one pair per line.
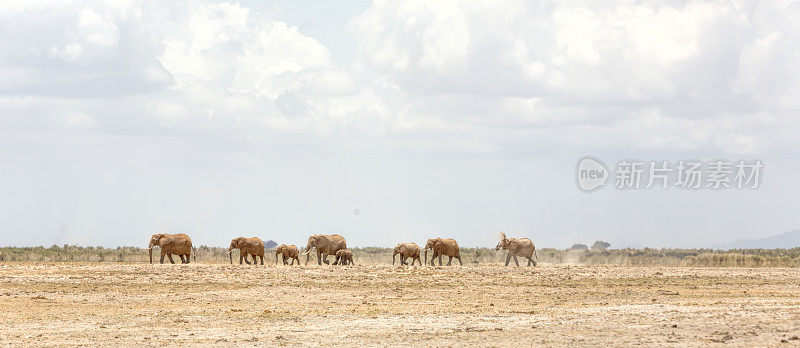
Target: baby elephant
x,y
287,252
344,257
407,251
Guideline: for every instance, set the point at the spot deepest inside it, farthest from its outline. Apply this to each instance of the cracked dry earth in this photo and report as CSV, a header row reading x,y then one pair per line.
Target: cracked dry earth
x,y
207,304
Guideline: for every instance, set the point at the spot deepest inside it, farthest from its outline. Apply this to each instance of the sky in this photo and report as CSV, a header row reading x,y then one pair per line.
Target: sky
x,y
392,121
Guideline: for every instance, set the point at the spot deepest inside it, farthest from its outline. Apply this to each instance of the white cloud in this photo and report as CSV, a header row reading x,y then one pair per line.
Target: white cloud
x,y
447,108
703,68
548,64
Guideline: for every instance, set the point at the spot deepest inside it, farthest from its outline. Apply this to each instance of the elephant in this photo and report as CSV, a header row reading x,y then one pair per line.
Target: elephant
x,y
407,250
178,244
326,245
441,246
247,246
287,252
517,247
344,257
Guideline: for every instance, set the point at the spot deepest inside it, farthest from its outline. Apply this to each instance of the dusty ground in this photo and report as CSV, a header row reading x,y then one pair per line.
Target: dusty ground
x,y
200,304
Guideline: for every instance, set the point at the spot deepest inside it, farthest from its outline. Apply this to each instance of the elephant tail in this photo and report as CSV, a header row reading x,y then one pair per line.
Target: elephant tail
x,y
535,254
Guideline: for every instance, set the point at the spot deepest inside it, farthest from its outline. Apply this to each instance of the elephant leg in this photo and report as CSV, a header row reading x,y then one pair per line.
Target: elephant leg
x,y
262,260
508,258
515,260
183,260
459,260
529,262
440,259
450,260
163,253
170,258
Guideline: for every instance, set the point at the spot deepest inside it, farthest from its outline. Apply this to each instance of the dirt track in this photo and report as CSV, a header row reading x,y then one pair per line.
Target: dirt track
x,y
140,304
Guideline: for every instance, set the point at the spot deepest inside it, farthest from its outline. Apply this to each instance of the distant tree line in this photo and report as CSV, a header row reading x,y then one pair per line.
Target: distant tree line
x,y
598,254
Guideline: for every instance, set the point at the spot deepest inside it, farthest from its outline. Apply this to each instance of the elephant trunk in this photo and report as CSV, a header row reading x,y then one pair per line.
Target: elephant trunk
x,y
393,255
150,250
426,256
230,254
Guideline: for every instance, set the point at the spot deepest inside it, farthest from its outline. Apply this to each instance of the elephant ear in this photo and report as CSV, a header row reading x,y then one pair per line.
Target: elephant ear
x,y
164,240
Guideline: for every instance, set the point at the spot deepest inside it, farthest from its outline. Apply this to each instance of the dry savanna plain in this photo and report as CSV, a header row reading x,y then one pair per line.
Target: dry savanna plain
x,y
72,303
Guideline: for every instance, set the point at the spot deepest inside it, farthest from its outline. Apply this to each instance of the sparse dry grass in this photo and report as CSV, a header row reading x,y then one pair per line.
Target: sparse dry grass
x,y
380,256
203,304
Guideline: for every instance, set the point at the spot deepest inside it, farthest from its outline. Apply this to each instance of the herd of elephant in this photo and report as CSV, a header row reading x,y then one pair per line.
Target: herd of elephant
x,y
335,245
